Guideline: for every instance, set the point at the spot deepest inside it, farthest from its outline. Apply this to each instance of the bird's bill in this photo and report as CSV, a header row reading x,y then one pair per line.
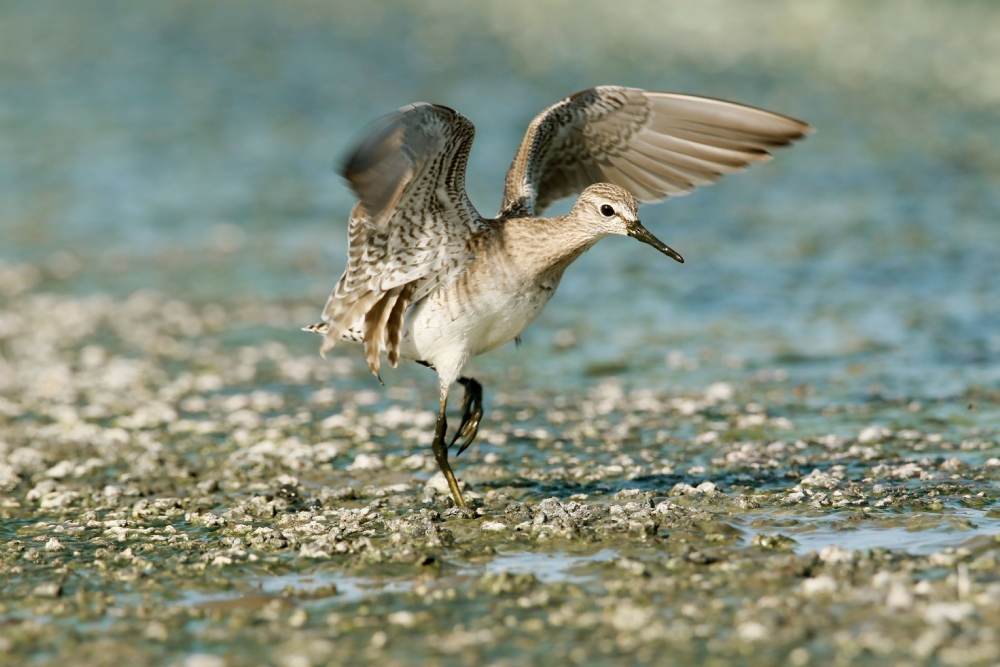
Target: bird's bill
x,y
640,233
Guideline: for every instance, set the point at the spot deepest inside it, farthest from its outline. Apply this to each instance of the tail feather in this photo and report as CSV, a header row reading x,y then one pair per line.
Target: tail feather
x,y
346,316
319,328
394,326
375,323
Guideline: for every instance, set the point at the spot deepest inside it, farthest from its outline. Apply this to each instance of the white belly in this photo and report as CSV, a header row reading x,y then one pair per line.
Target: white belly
x,y
450,327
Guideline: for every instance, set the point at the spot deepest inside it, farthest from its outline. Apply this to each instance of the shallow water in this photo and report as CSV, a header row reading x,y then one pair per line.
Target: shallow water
x,y
911,533
546,567
347,589
784,451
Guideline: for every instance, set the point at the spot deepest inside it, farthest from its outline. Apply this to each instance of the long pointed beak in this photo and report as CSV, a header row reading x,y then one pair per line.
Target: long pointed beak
x,y
642,234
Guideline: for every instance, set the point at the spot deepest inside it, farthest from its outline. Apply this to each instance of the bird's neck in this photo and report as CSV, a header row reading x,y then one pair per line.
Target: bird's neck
x,y
551,242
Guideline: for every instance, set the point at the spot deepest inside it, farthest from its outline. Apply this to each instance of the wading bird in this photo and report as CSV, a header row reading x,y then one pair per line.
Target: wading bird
x,y
429,279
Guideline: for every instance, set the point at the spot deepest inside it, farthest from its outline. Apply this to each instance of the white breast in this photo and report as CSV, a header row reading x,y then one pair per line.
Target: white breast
x,y
450,327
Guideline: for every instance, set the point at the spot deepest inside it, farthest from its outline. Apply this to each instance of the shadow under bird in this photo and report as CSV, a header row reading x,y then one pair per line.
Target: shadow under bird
x,y
430,279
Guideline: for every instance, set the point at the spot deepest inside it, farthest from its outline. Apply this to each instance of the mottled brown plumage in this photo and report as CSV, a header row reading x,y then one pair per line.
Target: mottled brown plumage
x,y
429,279
413,219
655,145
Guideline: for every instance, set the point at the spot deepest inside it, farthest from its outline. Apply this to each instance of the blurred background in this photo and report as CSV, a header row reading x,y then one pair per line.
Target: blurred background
x,y
187,148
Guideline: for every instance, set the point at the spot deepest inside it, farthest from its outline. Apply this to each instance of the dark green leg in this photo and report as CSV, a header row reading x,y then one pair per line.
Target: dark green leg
x,y
472,414
441,452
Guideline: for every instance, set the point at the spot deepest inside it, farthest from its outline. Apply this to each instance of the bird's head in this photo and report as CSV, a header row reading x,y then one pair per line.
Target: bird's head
x,y
613,211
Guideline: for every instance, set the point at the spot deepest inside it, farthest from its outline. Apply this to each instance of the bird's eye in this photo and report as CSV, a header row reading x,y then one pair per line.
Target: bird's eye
x,y
607,211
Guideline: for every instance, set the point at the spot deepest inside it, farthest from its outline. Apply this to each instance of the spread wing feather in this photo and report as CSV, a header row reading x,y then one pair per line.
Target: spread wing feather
x,y
656,145
408,232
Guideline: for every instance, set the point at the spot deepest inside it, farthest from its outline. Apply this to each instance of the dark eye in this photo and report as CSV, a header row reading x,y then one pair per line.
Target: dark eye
x,y
607,211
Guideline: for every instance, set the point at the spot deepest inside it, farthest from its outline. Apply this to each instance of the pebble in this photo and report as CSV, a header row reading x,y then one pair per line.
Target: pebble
x,y
899,597
821,585
834,554
948,612
204,660
751,631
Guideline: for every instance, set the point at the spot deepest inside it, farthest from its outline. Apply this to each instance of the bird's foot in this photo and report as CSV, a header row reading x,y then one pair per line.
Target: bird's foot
x,y
472,414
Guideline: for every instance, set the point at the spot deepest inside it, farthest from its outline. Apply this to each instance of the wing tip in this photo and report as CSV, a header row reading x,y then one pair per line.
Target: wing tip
x,y
801,128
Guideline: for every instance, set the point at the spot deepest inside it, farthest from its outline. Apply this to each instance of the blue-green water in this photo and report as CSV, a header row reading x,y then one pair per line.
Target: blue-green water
x,y
142,138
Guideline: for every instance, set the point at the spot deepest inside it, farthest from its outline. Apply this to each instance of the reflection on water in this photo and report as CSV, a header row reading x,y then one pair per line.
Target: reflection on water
x,y
548,567
344,587
913,533
944,533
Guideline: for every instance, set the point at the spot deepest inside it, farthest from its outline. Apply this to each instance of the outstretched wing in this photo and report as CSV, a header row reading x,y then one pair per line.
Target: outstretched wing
x,y
655,145
408,233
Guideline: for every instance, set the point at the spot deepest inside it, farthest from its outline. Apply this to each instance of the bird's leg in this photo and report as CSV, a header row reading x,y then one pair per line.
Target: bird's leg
x,y
441,451
472,414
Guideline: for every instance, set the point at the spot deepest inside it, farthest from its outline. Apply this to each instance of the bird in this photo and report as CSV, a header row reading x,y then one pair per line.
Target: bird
x,y
429,279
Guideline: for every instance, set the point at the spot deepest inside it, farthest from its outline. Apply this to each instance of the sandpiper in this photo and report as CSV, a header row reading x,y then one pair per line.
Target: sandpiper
x,y
431,280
